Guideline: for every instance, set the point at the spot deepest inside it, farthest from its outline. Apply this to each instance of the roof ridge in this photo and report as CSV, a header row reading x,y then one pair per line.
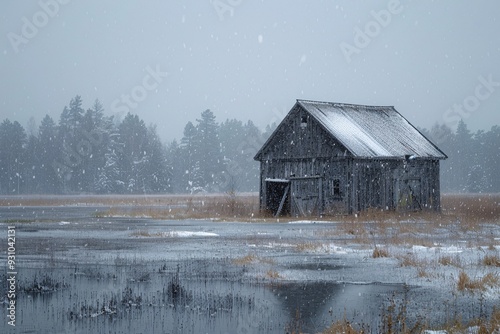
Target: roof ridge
x,y
343,104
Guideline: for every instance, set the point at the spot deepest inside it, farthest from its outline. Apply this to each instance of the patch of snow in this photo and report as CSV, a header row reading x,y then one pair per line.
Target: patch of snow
x,y
491,293
276,180
449,250
187,234
470,330
333,249
308,222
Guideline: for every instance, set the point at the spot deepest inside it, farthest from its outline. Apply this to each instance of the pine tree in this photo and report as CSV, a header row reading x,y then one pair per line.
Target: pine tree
x,y
109,176
75,147
254,141
231,135
491,151
49,150
133,158
187,156
13,139
208,150
75,114
94,139
157,176
462,161
31,172
175,167
443,137
239,143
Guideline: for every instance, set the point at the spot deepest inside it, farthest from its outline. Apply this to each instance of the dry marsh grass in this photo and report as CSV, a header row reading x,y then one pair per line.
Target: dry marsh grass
x,y
491,260
466,209
252,258
273,274
472,208
423,273
104,200
411,260
398,323
450,261
233,207
307,246
465,283
247,259
380,252
342,327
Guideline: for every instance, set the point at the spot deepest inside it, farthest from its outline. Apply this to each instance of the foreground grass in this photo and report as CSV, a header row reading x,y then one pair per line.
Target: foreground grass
x,y
394,321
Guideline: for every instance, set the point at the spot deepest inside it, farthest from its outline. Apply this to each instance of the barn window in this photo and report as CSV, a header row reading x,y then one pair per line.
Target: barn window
x,y
335,188
303,121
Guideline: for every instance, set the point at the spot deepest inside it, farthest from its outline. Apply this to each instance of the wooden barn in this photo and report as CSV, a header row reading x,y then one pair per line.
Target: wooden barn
x,y
335,158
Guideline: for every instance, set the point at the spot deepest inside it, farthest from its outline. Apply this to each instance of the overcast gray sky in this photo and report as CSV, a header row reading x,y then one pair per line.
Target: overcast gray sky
x,y
435,61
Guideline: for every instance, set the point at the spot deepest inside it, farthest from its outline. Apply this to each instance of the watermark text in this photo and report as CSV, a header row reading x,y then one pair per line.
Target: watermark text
x,y
139,93
371,30
31,27
483,90
11,275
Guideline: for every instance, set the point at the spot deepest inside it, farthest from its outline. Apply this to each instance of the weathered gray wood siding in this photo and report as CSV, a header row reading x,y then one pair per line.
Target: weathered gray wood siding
x,y
384,184
300,151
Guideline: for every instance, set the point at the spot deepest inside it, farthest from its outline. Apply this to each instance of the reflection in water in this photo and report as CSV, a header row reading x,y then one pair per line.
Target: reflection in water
x,y
314,306
166,299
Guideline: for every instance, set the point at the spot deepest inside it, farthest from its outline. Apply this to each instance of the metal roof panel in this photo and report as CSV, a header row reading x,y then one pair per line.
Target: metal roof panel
x,y
371,131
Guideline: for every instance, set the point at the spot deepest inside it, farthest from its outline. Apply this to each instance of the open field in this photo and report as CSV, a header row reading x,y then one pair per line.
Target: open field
x,y
468,208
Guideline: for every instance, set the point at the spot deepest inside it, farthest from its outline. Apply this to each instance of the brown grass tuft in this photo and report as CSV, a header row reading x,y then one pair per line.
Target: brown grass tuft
x,y
273,274
409,260
494,320
450,261
342,327
247,259
380,252
307,246
465,283
251,258
422,273
491,260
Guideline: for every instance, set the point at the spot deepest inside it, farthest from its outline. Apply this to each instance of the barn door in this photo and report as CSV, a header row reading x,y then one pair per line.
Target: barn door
x,y
306,196
410,195
277,194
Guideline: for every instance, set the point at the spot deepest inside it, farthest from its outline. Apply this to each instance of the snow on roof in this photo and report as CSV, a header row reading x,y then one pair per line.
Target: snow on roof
x,y
276,180
371,131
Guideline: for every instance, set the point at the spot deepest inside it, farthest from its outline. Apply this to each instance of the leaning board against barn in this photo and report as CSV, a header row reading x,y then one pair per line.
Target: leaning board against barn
x,y
336,158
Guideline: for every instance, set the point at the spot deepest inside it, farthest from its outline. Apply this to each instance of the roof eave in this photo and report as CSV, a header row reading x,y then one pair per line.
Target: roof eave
x,y
397,158
258,155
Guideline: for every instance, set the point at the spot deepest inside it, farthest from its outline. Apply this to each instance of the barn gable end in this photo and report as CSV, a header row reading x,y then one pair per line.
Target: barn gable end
x,y
300,136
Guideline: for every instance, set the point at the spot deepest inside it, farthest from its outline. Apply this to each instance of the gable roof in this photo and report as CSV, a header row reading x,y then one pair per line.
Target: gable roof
x,y
369,131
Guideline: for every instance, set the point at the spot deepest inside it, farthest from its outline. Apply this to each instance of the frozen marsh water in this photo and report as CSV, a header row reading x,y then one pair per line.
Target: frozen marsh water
x,y
81,274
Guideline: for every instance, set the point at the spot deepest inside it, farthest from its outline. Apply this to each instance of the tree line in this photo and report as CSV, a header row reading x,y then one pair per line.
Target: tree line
x,y
89,152
473,158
